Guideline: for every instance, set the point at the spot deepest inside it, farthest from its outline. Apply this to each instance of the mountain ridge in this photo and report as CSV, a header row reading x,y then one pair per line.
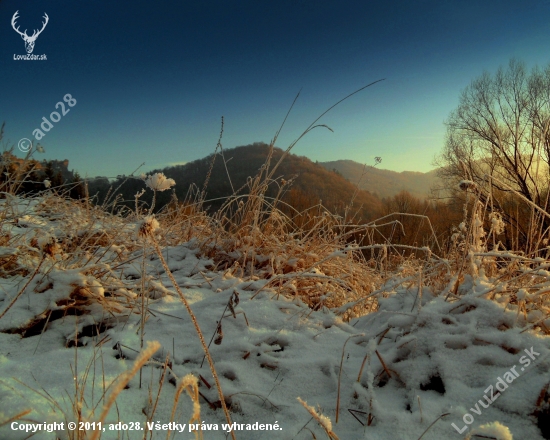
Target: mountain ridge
x,y
311,182
384,183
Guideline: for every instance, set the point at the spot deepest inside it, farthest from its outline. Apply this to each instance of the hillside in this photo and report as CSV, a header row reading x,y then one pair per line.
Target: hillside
x,y
312,183
384,183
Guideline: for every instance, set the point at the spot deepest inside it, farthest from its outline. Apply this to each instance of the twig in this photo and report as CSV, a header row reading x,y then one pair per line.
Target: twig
x,y
383,363
353,411
340,374
433,423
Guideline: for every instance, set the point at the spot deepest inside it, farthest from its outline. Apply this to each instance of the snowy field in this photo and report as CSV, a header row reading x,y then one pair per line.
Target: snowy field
x,y
428,362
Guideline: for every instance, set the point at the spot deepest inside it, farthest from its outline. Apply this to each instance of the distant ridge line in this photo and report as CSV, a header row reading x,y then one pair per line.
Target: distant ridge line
x,y
384,183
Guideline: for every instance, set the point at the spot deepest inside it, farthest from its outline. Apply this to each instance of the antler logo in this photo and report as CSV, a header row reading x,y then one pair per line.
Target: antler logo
x,y
29,41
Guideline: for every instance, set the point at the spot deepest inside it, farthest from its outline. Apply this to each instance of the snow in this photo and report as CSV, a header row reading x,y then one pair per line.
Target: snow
x,y
418,357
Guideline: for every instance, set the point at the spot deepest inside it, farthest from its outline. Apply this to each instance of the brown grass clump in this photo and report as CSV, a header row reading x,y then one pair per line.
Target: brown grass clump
x,y
256,240
64,247
516,278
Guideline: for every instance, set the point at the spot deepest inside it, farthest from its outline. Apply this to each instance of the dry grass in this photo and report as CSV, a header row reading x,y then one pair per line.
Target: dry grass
x,y
315,256
323,420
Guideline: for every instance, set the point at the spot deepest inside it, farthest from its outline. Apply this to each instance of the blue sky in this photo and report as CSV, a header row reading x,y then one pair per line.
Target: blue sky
x,y
153,79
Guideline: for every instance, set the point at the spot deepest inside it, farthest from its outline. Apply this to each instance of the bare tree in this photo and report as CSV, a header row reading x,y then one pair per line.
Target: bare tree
x,y
501,129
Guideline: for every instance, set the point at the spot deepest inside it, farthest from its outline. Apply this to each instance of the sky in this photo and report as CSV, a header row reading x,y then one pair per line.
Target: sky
x,y
150,81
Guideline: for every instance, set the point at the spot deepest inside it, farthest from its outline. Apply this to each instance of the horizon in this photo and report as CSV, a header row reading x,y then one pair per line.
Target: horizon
x,y
154,82
39,158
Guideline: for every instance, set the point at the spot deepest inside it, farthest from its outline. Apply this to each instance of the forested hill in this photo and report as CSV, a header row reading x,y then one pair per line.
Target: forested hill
x,y
313,183
384,183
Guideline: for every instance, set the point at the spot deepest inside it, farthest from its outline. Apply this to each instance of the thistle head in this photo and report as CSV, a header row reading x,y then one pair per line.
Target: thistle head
x,y
159,182
148,226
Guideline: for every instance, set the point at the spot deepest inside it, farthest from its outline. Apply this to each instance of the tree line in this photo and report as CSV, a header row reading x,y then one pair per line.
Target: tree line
x,y
31,177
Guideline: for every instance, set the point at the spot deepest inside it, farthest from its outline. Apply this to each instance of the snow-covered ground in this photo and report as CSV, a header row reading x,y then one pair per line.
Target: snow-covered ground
x,y
387,375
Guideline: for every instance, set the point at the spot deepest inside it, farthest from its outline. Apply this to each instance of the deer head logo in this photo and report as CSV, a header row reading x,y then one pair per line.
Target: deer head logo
x,y
29,41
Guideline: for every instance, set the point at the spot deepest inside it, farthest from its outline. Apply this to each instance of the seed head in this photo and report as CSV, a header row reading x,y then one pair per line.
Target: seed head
x,y
148,226
159,182
47,244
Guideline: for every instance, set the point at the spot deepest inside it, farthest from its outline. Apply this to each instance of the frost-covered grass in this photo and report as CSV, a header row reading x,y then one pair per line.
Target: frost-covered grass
x,y
307,330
